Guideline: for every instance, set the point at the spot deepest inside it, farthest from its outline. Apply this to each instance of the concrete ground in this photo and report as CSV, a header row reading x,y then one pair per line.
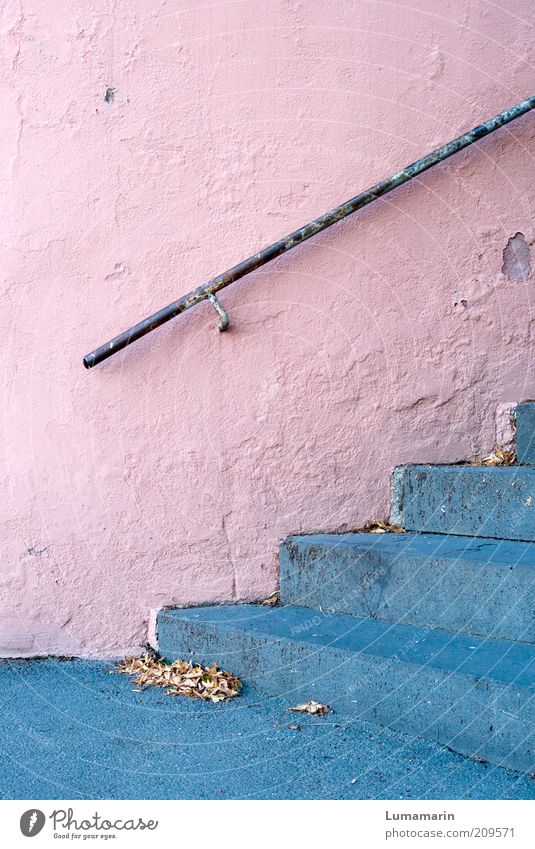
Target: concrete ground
x,y
72,730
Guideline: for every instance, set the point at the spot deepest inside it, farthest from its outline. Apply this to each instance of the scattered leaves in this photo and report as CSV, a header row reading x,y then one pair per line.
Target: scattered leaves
x,y
271,600
181,678
376,526
312,707
499,457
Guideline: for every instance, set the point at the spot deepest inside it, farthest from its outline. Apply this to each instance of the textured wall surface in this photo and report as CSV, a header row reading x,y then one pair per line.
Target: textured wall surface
x,y
148,145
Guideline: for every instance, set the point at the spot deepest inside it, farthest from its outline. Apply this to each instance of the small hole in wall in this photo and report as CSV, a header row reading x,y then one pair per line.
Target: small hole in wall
x,y
517,258
109,97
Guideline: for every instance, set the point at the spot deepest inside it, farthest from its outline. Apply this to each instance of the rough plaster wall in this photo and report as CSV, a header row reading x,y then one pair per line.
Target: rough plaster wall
x,y
147,146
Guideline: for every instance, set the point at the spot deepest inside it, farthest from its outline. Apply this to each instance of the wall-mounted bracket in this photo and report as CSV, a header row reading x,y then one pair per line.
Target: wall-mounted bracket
x,y
224,320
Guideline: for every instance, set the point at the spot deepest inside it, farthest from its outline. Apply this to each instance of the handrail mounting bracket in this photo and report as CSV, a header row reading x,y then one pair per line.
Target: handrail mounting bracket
x,y
224,320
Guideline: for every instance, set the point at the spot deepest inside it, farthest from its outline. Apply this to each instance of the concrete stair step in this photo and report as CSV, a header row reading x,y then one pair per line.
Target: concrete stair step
x,y
472,694
478,501
461,584
525,433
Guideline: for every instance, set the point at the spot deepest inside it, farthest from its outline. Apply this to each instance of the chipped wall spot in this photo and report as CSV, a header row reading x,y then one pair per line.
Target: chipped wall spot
x,y
118,270
517,258
109,97
36,552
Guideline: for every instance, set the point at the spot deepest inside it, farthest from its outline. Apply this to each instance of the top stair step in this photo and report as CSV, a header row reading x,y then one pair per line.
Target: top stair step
x,y
525,433
481,501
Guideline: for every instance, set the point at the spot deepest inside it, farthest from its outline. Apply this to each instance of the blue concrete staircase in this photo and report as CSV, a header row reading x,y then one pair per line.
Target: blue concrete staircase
x,y
431,632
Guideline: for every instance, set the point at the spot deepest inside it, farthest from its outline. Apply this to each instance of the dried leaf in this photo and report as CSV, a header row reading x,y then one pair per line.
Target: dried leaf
x,y
181,678
312,707
271,600
499,457
376,526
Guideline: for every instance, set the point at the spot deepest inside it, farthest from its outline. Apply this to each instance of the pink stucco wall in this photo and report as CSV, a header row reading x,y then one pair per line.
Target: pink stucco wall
x,y
169,474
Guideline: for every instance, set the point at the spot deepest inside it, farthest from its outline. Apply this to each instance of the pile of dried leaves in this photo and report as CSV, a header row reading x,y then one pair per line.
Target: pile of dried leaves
x,y
499,457
181,678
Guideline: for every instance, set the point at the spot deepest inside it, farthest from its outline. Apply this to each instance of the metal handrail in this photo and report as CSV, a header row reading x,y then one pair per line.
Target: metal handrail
x,y
208,291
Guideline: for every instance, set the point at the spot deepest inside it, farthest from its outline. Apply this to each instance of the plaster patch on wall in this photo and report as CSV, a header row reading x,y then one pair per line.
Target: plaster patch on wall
x,y
30,636
517,258
152,628
505,426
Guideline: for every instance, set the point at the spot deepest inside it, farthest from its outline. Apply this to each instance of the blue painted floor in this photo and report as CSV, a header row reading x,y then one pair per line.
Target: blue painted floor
x,y
72,730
